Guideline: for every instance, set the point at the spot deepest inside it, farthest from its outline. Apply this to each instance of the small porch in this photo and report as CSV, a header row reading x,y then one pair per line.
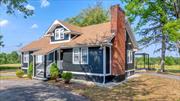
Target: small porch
x,y
42,63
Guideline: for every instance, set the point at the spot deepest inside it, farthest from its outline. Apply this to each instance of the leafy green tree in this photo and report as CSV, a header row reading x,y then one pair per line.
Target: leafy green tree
x,y
10,58
92,15
1,42
16,5
170,60
3,58
152,19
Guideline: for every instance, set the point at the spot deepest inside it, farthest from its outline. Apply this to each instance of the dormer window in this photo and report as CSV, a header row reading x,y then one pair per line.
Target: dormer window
x,y
59,34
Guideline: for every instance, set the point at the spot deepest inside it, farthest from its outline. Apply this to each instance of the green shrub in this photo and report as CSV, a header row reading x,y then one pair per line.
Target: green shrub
x,y
67,76
19,73
54,71
30,70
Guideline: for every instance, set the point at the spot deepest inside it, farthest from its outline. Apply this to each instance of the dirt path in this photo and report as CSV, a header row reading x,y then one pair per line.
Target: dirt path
x,y
161,75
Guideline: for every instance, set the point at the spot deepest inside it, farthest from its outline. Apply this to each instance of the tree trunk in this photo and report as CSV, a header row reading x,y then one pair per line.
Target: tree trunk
x,y
163,52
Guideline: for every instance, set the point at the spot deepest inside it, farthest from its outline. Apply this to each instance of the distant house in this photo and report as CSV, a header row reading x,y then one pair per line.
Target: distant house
x,y
100,53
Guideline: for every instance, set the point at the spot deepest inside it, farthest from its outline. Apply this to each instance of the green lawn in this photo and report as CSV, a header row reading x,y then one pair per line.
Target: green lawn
x,y
5,67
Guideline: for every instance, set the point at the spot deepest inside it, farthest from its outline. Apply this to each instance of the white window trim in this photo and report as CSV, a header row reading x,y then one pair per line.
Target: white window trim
x,y
80,55
130,56
60,34
39,59
55,34
74,62
87,55
27,58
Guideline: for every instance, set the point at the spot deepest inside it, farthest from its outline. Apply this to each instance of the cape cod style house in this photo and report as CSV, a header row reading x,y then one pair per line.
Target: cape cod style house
x,y
101,52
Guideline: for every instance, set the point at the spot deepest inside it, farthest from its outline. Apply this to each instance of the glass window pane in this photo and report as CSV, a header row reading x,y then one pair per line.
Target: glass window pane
x,y
84,55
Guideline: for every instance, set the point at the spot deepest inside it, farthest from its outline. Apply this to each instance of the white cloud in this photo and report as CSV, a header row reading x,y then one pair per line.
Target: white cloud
x,y
44,3
30,7
34,26
3,23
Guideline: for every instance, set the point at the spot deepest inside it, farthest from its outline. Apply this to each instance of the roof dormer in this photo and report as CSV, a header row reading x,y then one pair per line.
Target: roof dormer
x,y
61,31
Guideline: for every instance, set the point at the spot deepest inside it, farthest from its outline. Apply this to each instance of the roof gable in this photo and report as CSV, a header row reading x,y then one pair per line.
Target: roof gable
x,y
70,28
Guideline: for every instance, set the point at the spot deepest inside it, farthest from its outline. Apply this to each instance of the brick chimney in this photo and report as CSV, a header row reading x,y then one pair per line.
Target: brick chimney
x,y
118,48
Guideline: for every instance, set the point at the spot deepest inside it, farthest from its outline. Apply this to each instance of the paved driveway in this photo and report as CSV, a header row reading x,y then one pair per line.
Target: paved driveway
x,y
34,90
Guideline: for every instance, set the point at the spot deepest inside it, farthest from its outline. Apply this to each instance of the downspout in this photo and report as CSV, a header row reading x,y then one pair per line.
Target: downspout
x,y
104,65
21,60
34,66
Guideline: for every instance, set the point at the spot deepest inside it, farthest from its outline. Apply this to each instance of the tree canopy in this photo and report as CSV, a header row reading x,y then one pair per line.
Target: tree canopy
x,y
16,5
10,58
1,42
156,22
92,15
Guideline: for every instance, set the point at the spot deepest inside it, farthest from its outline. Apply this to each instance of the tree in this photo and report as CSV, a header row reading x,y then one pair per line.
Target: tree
x,y
9,58
3,58
1,42
13,57
170,60
92,15
16,5
152,18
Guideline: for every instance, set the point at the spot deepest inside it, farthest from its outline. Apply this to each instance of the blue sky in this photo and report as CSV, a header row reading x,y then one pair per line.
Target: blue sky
x,y
18,31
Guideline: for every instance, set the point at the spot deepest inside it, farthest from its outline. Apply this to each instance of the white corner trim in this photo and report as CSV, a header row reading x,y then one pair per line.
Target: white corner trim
x,y
84,73
110,59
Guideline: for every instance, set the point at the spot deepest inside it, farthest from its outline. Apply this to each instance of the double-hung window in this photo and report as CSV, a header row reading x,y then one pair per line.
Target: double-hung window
x,y
59,33
80,56
39,59
84,55
76,56
26,58
129,56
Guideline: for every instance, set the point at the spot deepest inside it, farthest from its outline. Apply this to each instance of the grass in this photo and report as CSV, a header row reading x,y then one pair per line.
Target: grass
x,y
173,69
143,88
8,77
9,67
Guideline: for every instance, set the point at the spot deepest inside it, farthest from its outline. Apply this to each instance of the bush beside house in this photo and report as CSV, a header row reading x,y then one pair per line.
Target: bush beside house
x,y
19,73
54,71
67,76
